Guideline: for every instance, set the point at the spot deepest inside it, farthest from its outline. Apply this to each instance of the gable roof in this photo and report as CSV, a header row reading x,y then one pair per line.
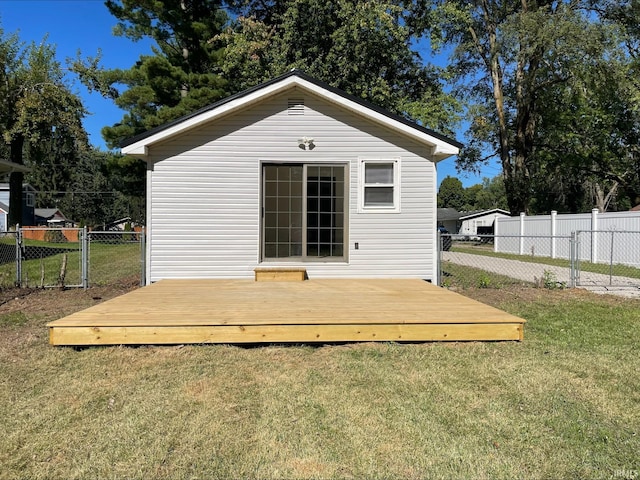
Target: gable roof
x,y
50,214
480,213
453,214
442,146
447,214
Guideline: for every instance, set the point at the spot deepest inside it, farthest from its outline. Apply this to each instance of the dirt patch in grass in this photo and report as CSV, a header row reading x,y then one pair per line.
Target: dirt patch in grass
x,y
50,301
24,312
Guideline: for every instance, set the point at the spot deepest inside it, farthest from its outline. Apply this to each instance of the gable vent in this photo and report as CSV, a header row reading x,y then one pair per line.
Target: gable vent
x,y
295,106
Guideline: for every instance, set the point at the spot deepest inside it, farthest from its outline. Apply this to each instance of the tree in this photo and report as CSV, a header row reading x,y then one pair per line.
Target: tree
x,y
491,194
41,119
624,14
591,135
104,186
451,194
507,55
180,77
482,196
363,48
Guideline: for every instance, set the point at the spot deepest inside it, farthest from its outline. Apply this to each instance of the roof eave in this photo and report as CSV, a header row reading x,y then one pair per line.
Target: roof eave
x,y
441,148
8,167
484,212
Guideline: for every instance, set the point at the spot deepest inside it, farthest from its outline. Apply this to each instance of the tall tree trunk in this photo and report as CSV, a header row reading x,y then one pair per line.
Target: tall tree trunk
x,y
184,90
15,183
491,59
603,200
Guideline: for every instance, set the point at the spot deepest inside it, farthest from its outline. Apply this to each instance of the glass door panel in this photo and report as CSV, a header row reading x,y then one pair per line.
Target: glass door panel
x,y
325,211
282,211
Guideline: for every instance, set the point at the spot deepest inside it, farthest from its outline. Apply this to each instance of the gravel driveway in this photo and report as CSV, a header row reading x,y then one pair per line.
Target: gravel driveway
x,y
526,271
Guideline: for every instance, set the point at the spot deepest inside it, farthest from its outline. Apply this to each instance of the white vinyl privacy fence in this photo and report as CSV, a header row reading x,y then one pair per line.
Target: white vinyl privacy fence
x,y
35,257
553,262
602,238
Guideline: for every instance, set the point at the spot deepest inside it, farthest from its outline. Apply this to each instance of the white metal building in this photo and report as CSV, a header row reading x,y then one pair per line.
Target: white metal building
x,y
290,173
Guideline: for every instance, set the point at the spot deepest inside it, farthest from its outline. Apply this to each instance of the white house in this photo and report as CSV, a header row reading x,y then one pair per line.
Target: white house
x,y
480,221
292,172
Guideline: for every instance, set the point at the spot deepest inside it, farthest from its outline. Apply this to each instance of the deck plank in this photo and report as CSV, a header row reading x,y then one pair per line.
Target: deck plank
x,y
333,309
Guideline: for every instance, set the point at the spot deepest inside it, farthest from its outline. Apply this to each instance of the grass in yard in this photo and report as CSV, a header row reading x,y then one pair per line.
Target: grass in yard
x,y
107,264
110,262
459,277
562,404
487,251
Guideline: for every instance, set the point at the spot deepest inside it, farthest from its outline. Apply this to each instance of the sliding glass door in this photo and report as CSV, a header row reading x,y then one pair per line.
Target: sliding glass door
x,y
303,211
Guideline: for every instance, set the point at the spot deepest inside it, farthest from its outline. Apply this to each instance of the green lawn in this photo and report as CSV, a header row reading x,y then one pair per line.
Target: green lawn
x,y
110,262
562,404
459,277
107,264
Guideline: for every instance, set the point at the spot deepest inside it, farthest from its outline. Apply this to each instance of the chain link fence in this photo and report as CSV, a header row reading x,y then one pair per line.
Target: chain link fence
x,y
581,259
472,262
9,252
35,257
50,257
608,258
115,257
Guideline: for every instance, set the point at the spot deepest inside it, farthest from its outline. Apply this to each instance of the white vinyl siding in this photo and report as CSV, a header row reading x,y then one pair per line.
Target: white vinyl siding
x,y
205,194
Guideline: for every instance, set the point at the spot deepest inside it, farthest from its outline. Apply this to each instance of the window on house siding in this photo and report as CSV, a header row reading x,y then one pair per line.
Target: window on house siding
x,y
379,186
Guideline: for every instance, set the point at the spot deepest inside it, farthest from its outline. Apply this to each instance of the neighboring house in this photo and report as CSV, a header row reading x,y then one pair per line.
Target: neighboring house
x,y
118,225
477,222
480,222
636,208
448,218
52,217
28,202
4,217
291,173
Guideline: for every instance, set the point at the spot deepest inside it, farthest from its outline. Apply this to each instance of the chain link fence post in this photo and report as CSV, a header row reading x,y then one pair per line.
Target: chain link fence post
x,y
84,247
439,258
143,257
573,250
18,257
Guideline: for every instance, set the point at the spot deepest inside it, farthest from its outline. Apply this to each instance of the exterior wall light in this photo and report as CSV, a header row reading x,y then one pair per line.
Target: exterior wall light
x,y
306,143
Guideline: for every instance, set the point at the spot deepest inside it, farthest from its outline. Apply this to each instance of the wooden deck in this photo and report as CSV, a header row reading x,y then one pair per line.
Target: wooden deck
x,y
244,311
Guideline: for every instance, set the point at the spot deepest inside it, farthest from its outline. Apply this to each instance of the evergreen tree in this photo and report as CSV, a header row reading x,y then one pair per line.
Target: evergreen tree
x,y
451,194
180,77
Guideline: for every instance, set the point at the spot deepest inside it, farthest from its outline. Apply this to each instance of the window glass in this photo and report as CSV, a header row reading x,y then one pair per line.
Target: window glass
x,y
378,196
378,173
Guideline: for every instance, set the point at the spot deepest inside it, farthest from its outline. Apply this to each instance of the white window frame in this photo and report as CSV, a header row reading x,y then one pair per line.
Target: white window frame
x,y
362,186
30,199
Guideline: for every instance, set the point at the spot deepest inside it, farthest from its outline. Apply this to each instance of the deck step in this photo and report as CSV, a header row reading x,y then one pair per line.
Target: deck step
x,y
280,274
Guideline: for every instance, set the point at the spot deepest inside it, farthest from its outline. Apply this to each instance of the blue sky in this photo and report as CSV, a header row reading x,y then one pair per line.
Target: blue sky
x,y
86,25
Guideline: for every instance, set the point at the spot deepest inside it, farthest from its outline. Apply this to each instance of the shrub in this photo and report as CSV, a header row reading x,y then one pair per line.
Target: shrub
x,y
55,236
